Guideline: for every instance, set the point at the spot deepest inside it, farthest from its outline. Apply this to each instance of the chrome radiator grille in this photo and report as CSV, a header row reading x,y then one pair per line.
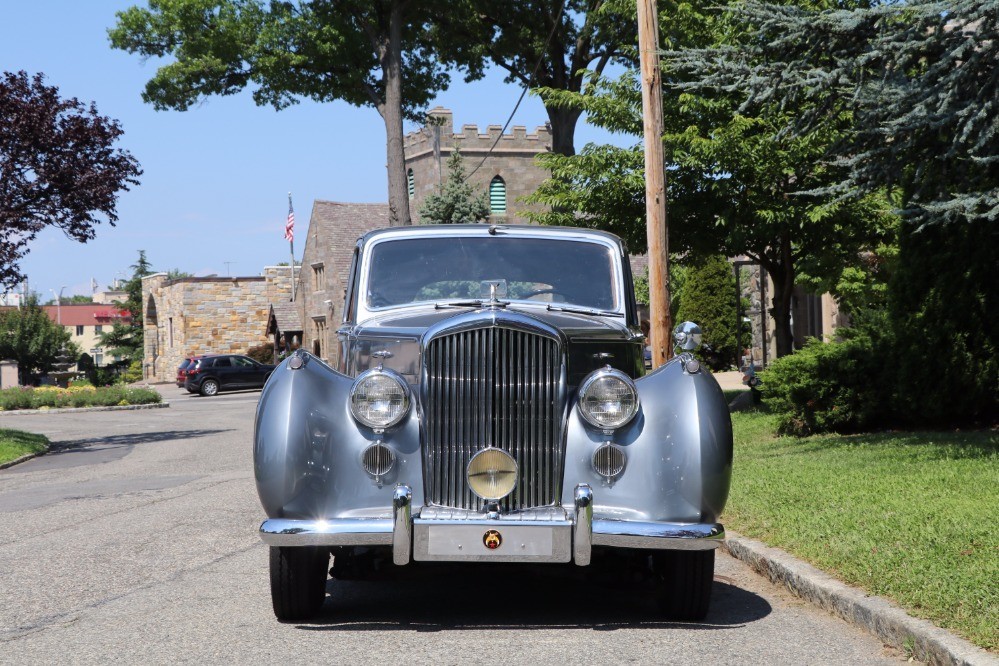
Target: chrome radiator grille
x,y
493,387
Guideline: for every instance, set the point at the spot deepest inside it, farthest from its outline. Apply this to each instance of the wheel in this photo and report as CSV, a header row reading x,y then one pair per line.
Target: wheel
x,y
298,581
684,579
209,387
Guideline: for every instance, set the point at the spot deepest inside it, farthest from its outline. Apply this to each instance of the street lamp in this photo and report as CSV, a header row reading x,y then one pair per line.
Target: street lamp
x,y
58,304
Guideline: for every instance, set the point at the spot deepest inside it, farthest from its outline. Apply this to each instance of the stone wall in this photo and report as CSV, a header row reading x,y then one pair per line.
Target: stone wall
x,y
191,316
512,160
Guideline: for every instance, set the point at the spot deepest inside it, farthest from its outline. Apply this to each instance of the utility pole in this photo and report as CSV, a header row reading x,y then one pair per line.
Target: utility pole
x,y
655,181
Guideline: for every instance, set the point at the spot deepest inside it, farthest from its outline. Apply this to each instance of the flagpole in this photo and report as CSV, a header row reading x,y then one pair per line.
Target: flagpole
x,y
291,246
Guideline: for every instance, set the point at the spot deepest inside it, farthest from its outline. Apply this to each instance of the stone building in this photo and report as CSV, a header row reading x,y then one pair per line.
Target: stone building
x,y
507,172
198,315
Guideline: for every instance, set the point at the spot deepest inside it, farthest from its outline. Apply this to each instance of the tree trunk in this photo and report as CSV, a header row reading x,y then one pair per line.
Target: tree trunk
x,y
398,191
782,275
563,122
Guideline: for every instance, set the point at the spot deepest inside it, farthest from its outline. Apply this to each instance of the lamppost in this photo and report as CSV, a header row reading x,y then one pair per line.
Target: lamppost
x,y
58,298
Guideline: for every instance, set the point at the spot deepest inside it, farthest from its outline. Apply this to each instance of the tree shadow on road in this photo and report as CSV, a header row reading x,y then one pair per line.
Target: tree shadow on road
x,y
128,439
469,598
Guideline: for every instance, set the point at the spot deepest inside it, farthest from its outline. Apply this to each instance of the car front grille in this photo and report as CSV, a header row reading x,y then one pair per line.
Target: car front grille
x,y
493,387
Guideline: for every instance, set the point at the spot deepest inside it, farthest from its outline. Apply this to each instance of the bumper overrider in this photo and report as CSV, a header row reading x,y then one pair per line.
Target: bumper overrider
x,y
550,534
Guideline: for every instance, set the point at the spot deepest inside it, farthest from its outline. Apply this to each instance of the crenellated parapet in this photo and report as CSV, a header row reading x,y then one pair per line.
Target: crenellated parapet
x,y
440,127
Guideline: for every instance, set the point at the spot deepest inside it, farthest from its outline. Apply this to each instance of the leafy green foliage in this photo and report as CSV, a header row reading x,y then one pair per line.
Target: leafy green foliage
x,y
58,168
897,514
28,336
829,387
708,299
125,340
261,353
78,396
455,202
375,53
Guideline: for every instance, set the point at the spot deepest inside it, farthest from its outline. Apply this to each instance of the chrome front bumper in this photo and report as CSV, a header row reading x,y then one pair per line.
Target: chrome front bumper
x,y
445,536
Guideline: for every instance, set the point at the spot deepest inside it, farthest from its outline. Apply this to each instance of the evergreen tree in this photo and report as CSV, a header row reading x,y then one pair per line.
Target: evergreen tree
x,y
708,299
28,336
125,340
454,202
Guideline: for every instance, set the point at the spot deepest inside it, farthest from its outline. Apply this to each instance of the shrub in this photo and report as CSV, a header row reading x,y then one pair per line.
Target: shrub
x,y
76,396
839,386
708,300
132,373
261,353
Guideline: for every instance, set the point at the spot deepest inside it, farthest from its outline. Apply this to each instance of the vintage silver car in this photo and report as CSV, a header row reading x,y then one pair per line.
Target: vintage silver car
x,y
490,404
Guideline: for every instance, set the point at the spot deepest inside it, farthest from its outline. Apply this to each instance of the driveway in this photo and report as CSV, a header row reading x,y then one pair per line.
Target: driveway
x,y
135,540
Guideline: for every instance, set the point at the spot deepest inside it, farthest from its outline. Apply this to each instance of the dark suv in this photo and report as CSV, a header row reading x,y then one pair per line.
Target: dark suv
x,y
226,372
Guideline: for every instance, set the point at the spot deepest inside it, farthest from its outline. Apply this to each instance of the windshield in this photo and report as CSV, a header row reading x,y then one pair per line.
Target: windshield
x,y
443,269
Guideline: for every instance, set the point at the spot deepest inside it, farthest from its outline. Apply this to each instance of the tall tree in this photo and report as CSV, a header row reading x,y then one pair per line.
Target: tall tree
x,y
28,336
125,339
549,45
58,168
375,53
454,202
736,183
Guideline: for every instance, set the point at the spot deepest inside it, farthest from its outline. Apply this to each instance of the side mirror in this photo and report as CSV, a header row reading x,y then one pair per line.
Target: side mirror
x,y
687,337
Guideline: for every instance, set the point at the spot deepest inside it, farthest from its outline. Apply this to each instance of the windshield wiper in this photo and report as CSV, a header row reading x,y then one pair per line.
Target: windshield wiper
x,y
475,303
586,311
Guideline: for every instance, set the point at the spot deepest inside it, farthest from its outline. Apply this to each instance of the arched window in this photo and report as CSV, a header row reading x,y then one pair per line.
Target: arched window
x,y
411,183
497,196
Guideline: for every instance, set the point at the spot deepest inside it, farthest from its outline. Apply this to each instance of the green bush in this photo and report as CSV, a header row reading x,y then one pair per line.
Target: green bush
x,y
829,387
708,300
78,396
261,353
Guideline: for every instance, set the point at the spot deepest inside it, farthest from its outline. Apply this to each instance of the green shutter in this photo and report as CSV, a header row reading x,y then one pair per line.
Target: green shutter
x,y
497,196
411,183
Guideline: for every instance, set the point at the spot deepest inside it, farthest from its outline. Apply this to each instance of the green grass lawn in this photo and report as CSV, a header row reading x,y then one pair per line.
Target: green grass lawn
x,y
15,443
909,516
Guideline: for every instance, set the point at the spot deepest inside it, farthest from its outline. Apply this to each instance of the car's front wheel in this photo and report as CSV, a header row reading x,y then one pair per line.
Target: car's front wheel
x,y
298,581
684,578
209,387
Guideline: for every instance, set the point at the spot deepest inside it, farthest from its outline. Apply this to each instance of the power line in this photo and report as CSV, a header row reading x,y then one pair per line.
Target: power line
x,y
527,87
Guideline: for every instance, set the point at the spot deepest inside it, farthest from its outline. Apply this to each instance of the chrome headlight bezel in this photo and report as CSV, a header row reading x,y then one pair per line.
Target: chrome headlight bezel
x,y
608,374
377,374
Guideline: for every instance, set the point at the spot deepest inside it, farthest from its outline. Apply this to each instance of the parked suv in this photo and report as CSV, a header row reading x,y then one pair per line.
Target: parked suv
x,y
224,372
187,367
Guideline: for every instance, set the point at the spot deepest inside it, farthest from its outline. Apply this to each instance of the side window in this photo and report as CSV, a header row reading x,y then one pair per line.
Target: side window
x,y
350,311
221,362
241,362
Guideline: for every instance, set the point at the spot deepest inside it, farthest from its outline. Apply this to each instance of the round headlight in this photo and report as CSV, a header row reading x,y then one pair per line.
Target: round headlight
x,y
379,398
608,399
492,474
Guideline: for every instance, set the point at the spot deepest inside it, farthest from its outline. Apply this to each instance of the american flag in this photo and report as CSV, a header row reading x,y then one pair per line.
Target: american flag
x,y
289,226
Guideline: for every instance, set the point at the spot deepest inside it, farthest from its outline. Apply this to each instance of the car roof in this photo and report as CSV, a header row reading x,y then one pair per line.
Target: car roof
x,y
569,233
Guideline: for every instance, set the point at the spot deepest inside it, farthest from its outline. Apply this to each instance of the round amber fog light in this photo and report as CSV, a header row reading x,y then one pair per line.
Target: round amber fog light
x,y
492,474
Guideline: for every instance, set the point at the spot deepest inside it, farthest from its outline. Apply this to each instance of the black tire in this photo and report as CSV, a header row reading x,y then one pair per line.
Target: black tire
x,y
298,581
684,578
209,387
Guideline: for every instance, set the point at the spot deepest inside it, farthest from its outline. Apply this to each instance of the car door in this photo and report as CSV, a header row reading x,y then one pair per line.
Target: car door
x,y
223,371
247,372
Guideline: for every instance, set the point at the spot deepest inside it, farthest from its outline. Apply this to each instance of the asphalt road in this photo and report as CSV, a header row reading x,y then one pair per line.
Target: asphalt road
x,y
134,540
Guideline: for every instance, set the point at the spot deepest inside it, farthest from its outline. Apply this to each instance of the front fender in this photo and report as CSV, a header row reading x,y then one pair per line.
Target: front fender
x,y
678,447
307,448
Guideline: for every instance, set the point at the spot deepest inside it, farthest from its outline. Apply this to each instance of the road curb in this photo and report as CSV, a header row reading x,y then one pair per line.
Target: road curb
x,y
877,615
75,410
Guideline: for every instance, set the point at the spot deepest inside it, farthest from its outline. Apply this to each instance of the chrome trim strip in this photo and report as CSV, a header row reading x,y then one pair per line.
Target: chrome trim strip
x,y
402,521
582,537
338,532
657,536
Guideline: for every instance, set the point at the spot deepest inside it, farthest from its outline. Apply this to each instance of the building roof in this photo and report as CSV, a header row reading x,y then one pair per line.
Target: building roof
x,y
285,315
88,314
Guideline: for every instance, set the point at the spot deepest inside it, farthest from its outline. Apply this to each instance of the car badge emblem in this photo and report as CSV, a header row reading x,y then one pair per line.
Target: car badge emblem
x,y
492,539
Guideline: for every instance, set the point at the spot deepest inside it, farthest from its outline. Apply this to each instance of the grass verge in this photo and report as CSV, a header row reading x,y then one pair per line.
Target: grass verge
x,y
15,443
908,516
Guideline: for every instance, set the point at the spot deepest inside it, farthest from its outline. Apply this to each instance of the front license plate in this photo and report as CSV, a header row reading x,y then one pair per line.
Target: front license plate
x,y
509,543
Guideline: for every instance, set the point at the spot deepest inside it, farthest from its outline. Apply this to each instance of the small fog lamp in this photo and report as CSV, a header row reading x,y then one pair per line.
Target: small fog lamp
x,y
492,474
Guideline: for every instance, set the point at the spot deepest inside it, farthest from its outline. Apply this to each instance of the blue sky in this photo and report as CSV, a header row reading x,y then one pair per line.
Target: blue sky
x,y
216,178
